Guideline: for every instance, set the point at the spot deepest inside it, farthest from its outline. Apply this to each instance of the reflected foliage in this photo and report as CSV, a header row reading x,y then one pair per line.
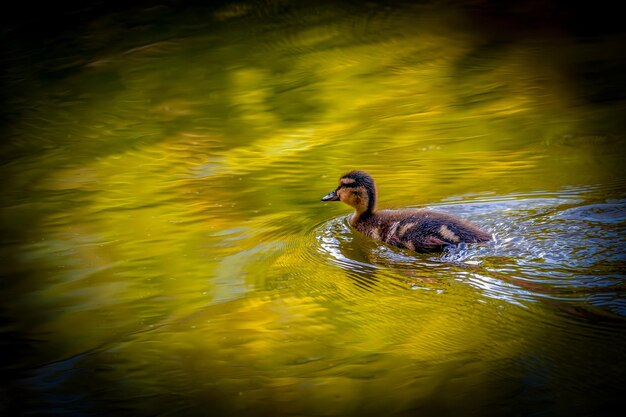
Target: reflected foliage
x,y
164,249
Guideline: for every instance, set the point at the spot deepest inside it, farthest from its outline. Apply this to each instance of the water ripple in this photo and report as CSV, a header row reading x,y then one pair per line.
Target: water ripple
x,y
543,248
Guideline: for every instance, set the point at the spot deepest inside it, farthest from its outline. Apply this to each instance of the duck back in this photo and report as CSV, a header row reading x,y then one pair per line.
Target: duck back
x,y
420,230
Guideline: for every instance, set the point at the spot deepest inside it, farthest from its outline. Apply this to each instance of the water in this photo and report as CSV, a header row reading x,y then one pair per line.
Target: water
x,y
164,250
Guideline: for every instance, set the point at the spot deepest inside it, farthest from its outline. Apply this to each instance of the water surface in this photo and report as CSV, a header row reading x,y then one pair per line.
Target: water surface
x,y
164,250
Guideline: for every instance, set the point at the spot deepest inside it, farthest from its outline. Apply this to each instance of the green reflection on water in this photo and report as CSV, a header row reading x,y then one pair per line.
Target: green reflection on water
x,y
164,235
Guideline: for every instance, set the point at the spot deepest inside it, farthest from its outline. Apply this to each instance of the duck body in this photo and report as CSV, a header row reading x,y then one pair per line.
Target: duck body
x,y
415,229
419,230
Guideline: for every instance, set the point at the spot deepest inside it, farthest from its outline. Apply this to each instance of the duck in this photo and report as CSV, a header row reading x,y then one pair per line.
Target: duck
x,y
419,230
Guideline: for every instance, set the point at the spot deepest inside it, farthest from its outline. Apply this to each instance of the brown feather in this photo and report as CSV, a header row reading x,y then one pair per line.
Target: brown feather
x,y
418,230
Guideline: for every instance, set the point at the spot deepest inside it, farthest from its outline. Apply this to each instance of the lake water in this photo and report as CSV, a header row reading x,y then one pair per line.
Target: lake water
x,y
165,251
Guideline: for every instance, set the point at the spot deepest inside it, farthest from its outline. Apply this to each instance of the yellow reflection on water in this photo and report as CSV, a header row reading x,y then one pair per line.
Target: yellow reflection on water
x,y
169,233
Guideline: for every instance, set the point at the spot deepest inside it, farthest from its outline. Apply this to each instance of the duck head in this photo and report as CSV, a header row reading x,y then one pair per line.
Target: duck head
x,y
356,189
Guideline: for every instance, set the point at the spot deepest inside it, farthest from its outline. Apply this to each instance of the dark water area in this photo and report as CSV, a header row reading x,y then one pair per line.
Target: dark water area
x,y
164,250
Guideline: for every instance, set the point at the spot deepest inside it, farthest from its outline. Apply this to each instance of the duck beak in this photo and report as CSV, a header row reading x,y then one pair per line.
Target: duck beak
x,y
332,196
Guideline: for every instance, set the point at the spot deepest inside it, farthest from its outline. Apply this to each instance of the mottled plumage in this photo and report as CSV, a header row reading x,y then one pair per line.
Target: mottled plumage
x,y
418,230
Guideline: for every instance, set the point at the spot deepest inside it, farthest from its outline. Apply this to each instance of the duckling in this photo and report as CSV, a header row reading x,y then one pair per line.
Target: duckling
x,y
417,230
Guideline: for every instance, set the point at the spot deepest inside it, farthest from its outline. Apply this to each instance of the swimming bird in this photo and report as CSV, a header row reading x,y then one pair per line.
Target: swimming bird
x,y
419,230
